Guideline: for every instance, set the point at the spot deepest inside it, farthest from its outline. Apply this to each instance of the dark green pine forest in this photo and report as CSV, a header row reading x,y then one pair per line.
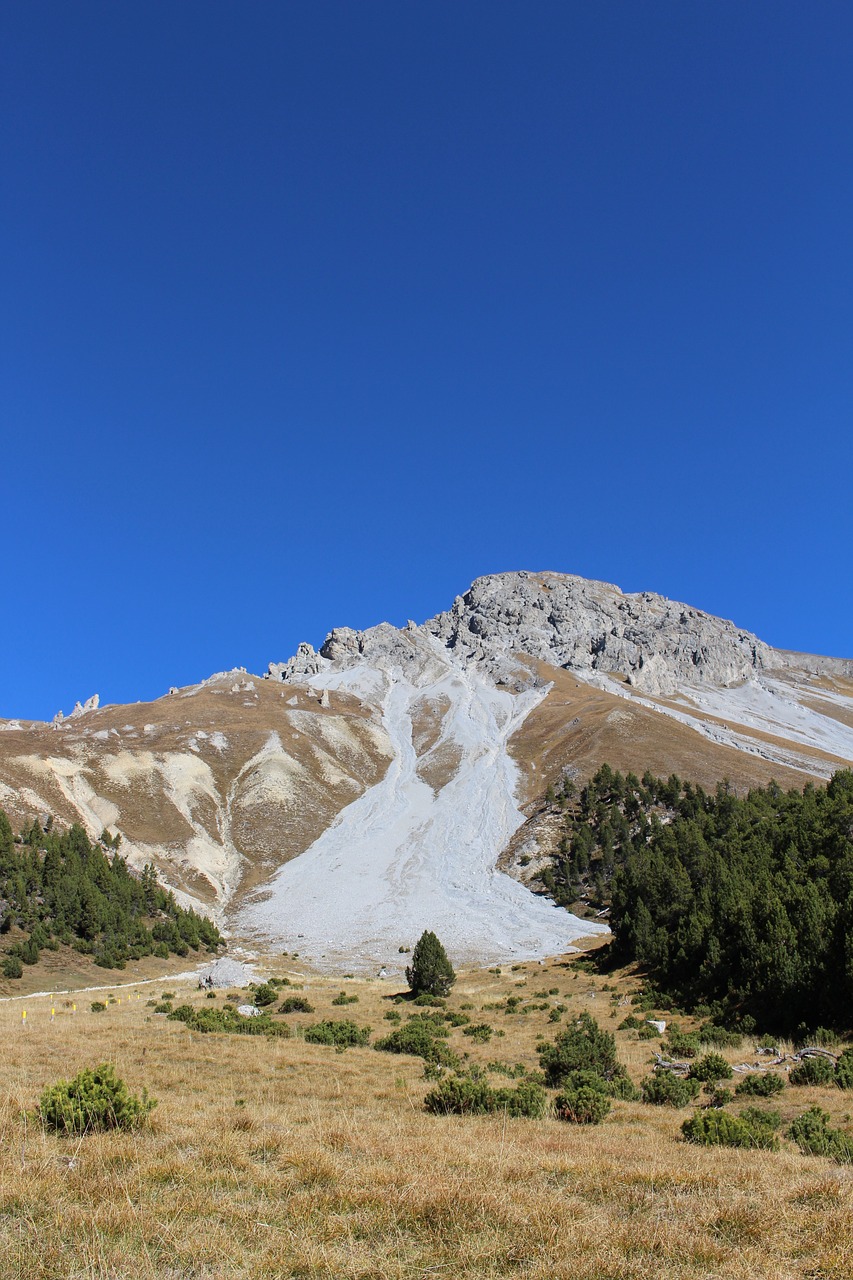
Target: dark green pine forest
x,y
739,907
61,889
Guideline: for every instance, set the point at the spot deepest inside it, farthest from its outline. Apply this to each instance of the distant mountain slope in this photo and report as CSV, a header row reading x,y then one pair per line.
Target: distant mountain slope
x,y
358,794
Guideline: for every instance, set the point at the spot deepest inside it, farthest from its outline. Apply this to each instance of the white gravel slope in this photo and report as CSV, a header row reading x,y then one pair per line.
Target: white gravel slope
x,y
403,858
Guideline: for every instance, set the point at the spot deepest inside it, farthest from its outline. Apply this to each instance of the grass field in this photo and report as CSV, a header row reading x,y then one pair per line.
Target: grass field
x,y
277,1158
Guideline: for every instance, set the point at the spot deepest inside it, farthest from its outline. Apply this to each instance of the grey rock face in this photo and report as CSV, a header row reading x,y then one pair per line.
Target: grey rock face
x,y
654,643
305,662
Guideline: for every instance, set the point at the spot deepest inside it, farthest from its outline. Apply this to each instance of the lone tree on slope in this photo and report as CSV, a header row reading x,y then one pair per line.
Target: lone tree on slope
x,y
430,972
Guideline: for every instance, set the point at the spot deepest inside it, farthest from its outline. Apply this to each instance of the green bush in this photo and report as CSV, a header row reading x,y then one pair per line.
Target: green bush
x,y
226,1020
682,1044
720,1038
12,967
584,1105
583,1047
458,1095
844,1070
264,995
760,1086
664,1089
343,1035
815,1071
343,998
295,1004
812,1133
648,1032
479,1031
722,1129
430,972
418,1038
711,1067
718,1097
95,1099
97,1006
430,1001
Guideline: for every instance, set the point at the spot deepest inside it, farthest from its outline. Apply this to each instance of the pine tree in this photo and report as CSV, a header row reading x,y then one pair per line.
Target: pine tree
x,y
430,972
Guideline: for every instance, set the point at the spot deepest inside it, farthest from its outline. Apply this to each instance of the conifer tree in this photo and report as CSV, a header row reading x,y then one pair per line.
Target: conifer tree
x,y
430,972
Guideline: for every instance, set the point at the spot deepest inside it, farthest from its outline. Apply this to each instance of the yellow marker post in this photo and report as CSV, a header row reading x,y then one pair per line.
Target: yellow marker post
x,y
52,1014
24,1016
73,1007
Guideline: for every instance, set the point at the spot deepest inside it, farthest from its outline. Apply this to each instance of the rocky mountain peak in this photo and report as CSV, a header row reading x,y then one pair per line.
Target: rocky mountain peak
x,y
654,643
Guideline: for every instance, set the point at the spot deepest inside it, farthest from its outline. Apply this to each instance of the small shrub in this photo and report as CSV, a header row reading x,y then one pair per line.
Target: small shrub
x,y
718,1097
164,1006
479,1031
95,1099
430,1001
264,995
664,1089
457,1019
648,1032
463,1096
813,1135
622,1087
760,1086
343,998
630,1024
227,1020
816,1071
418,1038
295,1004
722,1129
505,1069
844,1070
755,1117
584,1105
711,1067
13,967
527,1099
720,1038
683,1044
97,1006
391,1015
342,1035
183,1013
581,1047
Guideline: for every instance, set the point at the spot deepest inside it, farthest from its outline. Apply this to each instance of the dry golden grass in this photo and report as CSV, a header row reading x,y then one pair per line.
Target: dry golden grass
x,y
274,1158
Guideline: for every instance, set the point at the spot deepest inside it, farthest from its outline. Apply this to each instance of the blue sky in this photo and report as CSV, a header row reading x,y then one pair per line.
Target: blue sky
x,y
312,313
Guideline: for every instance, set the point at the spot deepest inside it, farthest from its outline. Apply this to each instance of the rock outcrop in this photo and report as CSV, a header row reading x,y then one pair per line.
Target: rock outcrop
x,y
653,643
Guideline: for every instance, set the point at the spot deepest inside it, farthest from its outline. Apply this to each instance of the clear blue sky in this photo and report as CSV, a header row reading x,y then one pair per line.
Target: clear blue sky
x,y
313,312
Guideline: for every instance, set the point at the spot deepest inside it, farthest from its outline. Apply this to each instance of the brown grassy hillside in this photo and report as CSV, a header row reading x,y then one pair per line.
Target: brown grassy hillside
x,y
278,1158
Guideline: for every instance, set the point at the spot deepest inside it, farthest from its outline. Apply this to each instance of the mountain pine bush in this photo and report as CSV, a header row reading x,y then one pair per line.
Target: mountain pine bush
x,y
95,1099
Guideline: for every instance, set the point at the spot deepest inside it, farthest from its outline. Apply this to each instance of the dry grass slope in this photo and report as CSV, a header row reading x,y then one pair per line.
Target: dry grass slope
x,y
276,1158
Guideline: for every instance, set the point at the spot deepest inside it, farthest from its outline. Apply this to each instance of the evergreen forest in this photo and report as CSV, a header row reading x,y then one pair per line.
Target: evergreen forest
x,y
740,907
60,888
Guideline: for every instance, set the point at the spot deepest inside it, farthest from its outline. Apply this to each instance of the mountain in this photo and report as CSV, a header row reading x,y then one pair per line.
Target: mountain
x,y
354,796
